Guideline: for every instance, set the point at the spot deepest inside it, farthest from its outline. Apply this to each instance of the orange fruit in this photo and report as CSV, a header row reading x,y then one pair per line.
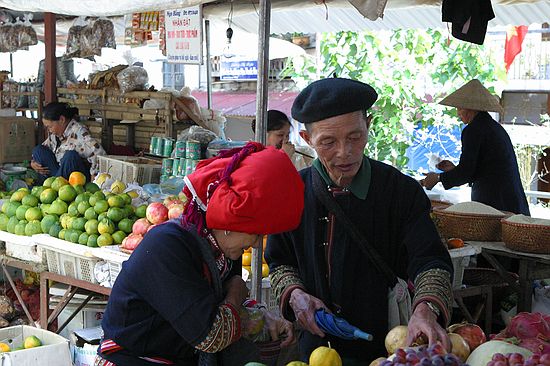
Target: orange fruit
x,y
455,243
247,259
77,178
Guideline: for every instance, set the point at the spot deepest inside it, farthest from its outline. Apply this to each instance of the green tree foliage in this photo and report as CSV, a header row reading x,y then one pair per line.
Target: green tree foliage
x,y
410,69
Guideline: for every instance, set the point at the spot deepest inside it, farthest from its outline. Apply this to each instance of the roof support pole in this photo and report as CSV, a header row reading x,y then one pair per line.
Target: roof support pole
x,y
261,123
50,91
208,64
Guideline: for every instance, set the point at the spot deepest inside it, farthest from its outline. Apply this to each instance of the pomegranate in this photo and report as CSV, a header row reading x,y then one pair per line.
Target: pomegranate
x,y
150,227
156,213
173,203
528,325
175,211
167,201
132,241
472,334
141,226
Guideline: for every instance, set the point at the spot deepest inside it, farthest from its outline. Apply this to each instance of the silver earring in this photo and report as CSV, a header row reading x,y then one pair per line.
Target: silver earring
x,y
226,232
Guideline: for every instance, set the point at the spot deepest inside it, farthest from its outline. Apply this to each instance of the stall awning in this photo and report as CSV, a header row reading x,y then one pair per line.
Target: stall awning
x,y
296,15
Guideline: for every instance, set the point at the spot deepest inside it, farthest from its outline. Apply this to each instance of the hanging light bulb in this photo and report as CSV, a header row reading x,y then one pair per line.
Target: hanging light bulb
x,y
228,50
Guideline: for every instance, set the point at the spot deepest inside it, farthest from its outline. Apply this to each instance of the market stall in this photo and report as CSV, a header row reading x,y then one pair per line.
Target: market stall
x,y
75,247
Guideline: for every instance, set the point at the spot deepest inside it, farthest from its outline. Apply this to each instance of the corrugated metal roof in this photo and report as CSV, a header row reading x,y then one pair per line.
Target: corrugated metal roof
x,y
243,103
345,17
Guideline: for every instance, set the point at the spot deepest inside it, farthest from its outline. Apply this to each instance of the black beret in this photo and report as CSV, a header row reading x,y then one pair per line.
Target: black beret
x,y
331,97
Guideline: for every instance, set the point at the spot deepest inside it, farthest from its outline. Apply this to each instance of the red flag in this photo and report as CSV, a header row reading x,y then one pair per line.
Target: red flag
x,y
512,46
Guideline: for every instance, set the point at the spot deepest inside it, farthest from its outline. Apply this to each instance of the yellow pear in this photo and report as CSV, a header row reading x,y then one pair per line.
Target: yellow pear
x,y
118,187
101,178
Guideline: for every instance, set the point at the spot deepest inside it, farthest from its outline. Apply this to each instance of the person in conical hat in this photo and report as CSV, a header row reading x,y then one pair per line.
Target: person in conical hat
x,y
488,161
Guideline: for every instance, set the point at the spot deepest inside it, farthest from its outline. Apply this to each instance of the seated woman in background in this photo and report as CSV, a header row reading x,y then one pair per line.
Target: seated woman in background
x,y
69,146
278,131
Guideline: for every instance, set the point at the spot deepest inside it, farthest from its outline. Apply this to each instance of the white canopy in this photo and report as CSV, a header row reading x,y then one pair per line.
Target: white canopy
x,y
301,9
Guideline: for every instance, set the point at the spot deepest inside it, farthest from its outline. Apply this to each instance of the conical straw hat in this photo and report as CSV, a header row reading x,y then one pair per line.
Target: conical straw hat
x,y
475,96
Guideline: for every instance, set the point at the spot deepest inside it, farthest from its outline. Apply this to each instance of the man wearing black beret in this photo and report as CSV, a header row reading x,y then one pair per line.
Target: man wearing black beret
x,y
365,228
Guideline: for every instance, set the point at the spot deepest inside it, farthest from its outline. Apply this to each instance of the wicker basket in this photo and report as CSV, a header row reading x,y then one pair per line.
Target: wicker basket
x,y
530,238
475,276
468,226
439,205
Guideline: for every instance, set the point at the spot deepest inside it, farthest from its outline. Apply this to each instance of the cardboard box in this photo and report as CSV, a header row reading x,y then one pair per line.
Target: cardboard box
x,y
18,139
53,352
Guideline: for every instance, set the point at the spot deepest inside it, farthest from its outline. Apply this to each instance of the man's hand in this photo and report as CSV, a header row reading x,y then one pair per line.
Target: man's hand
x,y
445,165
304,306
236,291
279,328
39,168
430,180
424,321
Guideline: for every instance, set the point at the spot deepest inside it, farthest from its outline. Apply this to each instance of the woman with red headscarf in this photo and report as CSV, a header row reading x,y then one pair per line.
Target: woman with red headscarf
x,y
178,299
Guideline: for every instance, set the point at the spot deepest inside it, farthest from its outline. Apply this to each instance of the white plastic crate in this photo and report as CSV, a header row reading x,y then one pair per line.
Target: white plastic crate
x,y
129,169
53,352
114,258
68,259
22,247
460,258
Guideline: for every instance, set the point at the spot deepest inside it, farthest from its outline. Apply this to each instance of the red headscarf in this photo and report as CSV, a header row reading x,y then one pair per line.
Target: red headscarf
x,y
253,190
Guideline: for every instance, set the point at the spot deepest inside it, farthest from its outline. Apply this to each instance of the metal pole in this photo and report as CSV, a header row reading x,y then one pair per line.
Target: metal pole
x,y
208,63
261,123
11,65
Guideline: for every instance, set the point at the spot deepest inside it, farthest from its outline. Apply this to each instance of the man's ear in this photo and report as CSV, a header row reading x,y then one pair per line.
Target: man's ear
x,y
306,137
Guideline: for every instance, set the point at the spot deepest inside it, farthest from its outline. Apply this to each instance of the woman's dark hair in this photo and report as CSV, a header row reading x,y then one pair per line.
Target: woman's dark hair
x,y
54,110
275,121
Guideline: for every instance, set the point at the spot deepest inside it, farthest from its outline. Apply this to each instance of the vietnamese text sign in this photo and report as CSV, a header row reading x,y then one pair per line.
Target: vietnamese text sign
x,y
238,68
184,35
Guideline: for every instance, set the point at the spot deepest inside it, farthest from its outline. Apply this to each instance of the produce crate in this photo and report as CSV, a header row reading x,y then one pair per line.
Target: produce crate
x,y
53,352
114,258
129,169
68,259
22,247
460,258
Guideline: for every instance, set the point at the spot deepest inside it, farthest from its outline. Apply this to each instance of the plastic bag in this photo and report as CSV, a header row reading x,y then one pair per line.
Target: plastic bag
x,y
103,32
214,121
75,33
172,186
253,324
26,33
132,78
86,39
197,133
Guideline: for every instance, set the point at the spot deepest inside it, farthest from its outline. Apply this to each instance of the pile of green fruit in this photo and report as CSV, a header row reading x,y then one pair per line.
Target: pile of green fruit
x,y
75,213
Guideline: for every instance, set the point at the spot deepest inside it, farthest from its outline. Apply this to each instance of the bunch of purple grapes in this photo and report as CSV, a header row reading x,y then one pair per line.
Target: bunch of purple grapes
x,y
517,359
434,355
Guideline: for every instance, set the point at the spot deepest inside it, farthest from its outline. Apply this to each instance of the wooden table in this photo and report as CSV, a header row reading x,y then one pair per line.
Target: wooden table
x,y
91,290
531,267
38,268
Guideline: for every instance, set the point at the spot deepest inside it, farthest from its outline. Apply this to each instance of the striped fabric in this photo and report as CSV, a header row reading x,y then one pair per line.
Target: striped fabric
x,y
109,346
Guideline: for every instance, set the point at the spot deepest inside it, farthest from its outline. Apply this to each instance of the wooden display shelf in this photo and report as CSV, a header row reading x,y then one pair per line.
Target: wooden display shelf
x,y
111,106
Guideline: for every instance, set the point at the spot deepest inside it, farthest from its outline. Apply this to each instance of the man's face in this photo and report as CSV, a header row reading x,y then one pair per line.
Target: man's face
x,y
340,142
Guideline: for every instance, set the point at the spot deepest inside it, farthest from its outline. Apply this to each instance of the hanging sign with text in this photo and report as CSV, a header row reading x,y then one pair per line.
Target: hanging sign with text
x,y
183,29
238,68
